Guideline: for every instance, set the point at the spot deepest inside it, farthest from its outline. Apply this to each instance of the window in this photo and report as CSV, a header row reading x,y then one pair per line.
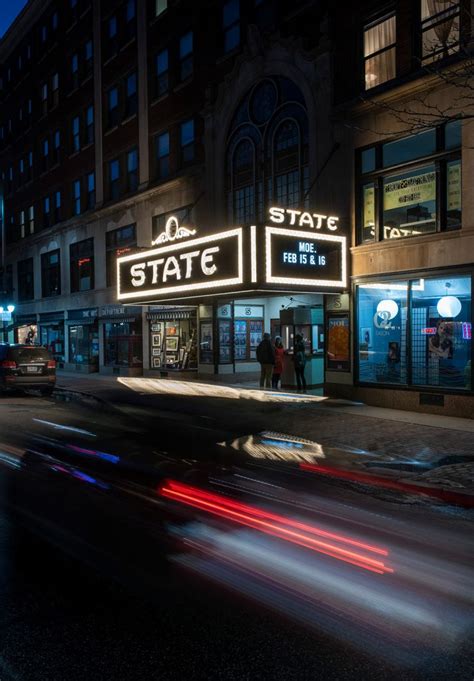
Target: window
x,y
55,21
29,167
26,284
114,179
160,7
231,25
31,219
130,19
421,198
50,274
55,88
76,134
132,170
44,33
22,224
74,71
112,107
44,98
21,168
162,155
91,191
45,160
81,258
89,129
379,52
131,98
162,75
46,212
123,344
56,145
112,35
112,27
76,197
57,206
88,57
416,332
184,216
439,28
186,56
187,141
118,242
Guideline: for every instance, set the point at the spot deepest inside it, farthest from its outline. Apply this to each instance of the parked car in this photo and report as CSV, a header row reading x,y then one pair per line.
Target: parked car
x,y
27,367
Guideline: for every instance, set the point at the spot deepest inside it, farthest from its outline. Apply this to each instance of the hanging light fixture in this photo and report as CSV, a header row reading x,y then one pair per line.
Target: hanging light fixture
x,y
448,306
389,306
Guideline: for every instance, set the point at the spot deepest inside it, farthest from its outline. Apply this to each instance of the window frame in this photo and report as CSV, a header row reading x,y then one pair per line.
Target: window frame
x,y
85,250
392,46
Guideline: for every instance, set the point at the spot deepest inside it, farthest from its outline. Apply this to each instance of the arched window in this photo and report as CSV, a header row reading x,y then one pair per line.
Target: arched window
x,y
267,151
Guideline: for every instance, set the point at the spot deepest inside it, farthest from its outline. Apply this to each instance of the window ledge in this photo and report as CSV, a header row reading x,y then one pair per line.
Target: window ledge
x,y
111,130
109,59
75,153
128,119
128,43
159,99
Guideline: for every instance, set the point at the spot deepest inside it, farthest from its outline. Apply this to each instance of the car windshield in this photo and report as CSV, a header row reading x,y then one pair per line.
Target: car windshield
x,y
29,354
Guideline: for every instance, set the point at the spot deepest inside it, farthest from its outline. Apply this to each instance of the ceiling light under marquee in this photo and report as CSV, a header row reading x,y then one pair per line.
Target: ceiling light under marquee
x,y
449,306
389,306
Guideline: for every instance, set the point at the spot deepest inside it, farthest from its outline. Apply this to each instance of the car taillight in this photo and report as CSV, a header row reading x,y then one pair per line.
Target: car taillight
x,y
8,364
51,364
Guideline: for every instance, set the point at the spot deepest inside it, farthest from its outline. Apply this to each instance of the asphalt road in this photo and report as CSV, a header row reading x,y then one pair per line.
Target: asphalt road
x,y
61,621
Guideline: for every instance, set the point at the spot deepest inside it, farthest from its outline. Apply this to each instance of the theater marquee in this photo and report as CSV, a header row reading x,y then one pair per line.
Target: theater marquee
x,y
302,254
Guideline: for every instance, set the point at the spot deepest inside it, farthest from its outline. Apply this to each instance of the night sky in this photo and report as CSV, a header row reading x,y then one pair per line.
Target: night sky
x,y
8,11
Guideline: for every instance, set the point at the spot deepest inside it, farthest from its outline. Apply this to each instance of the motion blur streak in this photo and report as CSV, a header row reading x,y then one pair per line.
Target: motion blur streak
x,y
59,426
273,524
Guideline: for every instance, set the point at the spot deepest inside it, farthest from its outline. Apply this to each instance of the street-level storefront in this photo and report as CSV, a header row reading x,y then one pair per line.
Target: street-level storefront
x,y
243,282
51,334
83,340
122,346
172,338
25,328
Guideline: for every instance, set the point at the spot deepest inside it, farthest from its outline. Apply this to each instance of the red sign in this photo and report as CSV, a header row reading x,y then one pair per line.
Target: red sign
x,y
429,331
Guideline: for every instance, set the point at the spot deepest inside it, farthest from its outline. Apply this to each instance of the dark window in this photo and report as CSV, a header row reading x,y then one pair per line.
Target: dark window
x,y
75,71
187,141
89,129
379,52
56,146
231,24
132,170
46,211
130,19
409,148
440,20
50,274
45,158
112,107
162,75
55,89
26,283
118,242
81,257
123,344
183,215
114,179
76,134
76,197
88,53
162,155
57,206
186,56
131,101
91,191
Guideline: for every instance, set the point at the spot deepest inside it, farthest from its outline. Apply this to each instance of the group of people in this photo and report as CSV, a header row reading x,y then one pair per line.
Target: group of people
x,y
270,356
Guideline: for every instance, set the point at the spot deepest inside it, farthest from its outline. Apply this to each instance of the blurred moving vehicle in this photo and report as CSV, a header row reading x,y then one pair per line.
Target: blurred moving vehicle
x,y
26,367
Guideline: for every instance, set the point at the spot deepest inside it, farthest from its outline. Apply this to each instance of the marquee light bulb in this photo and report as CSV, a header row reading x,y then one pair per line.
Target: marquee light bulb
x,y
449,306
388,306
10,308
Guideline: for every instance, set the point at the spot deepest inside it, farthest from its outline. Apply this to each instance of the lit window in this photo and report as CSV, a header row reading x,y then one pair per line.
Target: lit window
x,y
186,56
231,24
379,52
440,29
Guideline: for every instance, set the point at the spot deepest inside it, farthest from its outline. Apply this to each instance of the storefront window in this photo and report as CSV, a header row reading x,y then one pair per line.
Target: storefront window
x,y
206,347
432,346
441,332
173,339
409,204
123,344
52,337
84,344
382,314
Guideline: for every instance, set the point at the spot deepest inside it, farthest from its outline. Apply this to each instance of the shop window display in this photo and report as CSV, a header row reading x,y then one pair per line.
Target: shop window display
x,y
123,344
173,344
84,344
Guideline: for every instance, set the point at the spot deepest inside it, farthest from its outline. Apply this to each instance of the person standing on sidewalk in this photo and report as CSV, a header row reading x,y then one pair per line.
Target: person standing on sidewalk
x,y
299,359
266,357
278,367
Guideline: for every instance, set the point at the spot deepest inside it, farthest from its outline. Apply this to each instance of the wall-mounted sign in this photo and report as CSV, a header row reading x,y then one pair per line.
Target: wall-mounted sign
x,y
302,218
305,258
207,265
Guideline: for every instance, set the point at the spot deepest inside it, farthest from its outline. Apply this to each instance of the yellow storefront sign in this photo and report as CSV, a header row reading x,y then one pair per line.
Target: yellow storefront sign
x,y
409,191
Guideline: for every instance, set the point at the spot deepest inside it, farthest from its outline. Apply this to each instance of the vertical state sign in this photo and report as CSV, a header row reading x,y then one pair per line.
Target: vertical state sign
x,y
210,264
297,258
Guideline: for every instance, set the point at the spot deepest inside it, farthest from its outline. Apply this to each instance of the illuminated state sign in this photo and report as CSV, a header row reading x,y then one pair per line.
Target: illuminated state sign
x,y
300,258
209,263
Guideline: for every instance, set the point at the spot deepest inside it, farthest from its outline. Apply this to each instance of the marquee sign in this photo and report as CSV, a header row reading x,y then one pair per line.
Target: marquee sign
x,y
298,250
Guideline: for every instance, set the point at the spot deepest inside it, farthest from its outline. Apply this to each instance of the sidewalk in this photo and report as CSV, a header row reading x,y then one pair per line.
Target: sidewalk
x,y
386,447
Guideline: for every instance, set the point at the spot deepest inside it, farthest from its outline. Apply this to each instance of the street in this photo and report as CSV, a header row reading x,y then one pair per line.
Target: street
x,y
62,620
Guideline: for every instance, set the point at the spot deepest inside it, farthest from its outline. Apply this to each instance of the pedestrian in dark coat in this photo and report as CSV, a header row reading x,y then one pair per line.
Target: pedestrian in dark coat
x,y
266,357
299,360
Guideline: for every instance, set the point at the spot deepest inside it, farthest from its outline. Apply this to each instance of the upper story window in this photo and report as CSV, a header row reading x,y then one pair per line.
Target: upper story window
x,y
130,13
112,27
56,145
81,265
231,24
118,242
160,7
186,139
75,70
26,282
186,56
91,190
76,136
50,274
114,178
162,73
55,21
44,33
411,186
46,212
76,197
57,206
132,170
89,127
44,98
439,29
162,150
380,52
131,101
112,107
88,52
